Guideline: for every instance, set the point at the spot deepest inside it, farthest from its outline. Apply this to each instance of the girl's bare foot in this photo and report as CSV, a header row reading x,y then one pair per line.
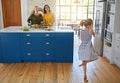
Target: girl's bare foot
x,y
83,63
85,79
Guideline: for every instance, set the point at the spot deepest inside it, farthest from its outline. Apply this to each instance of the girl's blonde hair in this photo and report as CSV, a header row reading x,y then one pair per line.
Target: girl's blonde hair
x,y
86,22
89,19
82,21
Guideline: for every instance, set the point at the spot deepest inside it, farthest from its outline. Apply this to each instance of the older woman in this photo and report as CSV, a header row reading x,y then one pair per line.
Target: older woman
x,y
35,18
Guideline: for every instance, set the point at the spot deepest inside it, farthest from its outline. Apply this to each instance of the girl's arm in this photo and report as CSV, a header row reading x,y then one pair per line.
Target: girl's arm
x,y
92,32
80,37
29,20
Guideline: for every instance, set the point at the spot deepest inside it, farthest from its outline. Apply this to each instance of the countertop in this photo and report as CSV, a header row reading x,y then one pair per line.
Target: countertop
x,y
19,29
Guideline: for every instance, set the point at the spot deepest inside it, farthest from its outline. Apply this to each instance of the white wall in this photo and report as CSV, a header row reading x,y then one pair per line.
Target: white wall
x,y
1,17
27,6
40,3
24,12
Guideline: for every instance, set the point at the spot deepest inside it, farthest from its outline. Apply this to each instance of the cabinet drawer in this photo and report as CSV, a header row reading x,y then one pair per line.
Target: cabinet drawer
x,y
117,46
117,36
107,52
31,41
117,52
107,46
38,35
38,43
0,48
117,61
10,35
38,55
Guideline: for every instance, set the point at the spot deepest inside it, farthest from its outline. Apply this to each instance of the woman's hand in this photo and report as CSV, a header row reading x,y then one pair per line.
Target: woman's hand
x,y
29,24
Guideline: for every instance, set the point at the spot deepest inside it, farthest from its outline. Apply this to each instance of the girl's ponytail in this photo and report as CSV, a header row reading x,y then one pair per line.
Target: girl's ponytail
x,y
82,22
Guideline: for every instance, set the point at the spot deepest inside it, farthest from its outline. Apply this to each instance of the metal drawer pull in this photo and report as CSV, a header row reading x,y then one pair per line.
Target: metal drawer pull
x,y
47,35
47,53
28,35
28,43
117,46
29,54
47,43
116,57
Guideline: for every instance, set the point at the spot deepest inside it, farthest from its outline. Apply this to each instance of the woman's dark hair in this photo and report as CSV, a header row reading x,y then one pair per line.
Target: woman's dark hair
x,y
45,10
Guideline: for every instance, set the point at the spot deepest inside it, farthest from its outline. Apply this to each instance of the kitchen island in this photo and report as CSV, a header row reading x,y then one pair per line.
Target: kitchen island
x,y
35,45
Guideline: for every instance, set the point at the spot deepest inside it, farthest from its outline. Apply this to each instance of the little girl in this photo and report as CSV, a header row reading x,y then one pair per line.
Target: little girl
x,y
86,50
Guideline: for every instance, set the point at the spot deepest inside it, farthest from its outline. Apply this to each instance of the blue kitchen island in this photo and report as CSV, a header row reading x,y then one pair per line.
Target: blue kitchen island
x,y
35,45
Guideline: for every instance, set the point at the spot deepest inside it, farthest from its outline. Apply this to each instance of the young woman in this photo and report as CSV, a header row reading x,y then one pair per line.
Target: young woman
x,y
86,50
48,16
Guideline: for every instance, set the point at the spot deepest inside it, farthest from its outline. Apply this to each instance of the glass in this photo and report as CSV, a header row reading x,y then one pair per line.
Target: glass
x,y
68,2
90,9
57,9
67,9
82,16
85,2
79,16
70,10
62,16
62,9
90,15
91,2
67,16
57,16
73,16
73,9
57,2
62,2
82,10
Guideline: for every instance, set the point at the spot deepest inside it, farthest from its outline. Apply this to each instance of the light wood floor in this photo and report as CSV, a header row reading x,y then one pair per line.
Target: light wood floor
x,y
99,71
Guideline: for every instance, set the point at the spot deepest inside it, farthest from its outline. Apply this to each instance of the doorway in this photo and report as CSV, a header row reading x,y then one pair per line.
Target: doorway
x,y
11,10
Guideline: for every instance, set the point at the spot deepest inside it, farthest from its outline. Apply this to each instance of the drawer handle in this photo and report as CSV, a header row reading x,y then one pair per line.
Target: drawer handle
x,y
47,54
117,46
28,54
47,35
47,43
116,57
28,35
28,43
107,51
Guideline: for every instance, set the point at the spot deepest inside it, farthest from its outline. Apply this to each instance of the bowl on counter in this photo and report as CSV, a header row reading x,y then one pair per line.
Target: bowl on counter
x,y
37,26
48,29
25,28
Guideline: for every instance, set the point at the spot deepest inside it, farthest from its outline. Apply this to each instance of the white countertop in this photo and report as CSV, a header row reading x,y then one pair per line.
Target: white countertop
x,y
19,29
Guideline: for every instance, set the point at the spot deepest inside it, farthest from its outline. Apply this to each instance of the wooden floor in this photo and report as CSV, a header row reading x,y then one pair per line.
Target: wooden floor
x,y
99,71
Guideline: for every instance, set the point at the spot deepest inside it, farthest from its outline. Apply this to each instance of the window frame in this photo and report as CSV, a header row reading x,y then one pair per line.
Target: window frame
x,y
77,11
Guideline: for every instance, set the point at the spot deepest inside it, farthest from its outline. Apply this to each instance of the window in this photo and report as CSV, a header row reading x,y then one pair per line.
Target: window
x,y
74,10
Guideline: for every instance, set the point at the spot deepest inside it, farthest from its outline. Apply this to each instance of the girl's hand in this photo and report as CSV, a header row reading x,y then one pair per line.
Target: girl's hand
x,y
92,32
